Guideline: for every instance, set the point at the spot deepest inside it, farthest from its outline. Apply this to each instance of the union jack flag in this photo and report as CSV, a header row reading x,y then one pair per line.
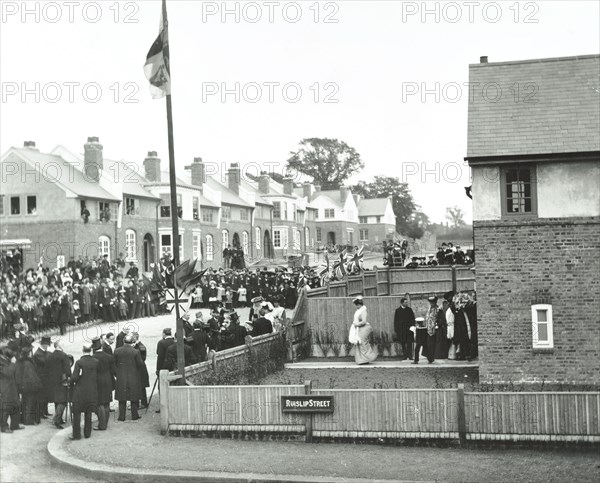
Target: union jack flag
x,y
355,264
324,270
339,266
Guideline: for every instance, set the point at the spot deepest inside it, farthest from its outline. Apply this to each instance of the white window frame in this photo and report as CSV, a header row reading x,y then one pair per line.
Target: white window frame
x,y
103,246
257,240
210,248
363,235
130,245
245,242
319,235
226,213
225,238
330,212
207,215
297,240
196,208
277,210
546,344
244,214
136,207
196,250
277,238
306,237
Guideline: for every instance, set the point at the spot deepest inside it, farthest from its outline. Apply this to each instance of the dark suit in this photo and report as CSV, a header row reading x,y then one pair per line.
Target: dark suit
x,y
199,342
106,385
85,394
9,395
262,326
106,348
59,371
144,376
404,318
40,359
120,337
161,352
129,385
171,357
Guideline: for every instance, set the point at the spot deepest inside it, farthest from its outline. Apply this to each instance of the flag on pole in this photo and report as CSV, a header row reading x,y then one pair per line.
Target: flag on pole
x,y
157,68
355,265
339,266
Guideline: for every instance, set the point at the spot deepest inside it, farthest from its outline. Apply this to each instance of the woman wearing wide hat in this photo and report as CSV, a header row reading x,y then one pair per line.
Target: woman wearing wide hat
x,y
359,334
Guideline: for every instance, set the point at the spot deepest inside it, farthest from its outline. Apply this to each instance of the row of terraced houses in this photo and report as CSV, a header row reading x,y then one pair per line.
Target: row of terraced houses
x,y
59,205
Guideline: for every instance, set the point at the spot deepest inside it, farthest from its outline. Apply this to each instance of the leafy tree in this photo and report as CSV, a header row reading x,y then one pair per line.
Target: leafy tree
x,y
455,215
328,161
409,222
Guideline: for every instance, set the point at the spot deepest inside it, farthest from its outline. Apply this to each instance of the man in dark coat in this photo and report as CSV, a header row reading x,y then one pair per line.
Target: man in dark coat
x,y
129,385
107,342
144,376
199,341
9,395
171,357
106,383
59,374
262,325
121,336
161,349
404,319
85,392
64,314
40,360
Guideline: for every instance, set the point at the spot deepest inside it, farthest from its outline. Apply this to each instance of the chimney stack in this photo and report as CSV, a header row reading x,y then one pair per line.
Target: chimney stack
x,y
30,145
198,172
263,182
307,189
483,59
93,162
152,167
356,199
234,178
288,185
344,192
317,190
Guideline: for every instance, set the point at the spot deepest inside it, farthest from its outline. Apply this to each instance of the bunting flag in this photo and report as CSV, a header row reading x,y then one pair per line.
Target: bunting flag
x,y
186,276
158,281
339,266
157,68
355,265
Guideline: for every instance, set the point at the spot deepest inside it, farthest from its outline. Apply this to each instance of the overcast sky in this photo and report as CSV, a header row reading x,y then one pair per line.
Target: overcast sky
x,y
373,58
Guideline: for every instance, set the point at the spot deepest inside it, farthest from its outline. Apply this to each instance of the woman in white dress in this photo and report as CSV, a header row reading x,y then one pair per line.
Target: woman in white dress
x,y
363,351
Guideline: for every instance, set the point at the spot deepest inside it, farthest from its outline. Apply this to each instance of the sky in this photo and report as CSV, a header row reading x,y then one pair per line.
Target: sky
x,y
251,79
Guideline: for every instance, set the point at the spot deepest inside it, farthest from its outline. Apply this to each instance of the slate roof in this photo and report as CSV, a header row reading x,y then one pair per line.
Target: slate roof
x,y
164,177
71,179
248,186
227,196
131,179
556,110
372,207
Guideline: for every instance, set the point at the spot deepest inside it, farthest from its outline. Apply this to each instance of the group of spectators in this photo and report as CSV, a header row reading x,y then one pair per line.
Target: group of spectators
x,y
395,254
30,381
446,332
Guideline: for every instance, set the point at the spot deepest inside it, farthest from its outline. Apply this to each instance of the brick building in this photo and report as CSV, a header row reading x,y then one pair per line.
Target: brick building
x,y
535,163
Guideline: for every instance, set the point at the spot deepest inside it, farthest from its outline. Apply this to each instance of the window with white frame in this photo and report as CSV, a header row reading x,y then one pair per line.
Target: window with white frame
x,y
103,246
225,212
166,246
196,247
276,210
297,240
362,219
180,206
541,326
245,242
257,237
224,238
32,205
363,235
131,207
244,214
165,205
329,213
284,210
207,215
210,251
306,237
319,236
130,246
15,205
277,238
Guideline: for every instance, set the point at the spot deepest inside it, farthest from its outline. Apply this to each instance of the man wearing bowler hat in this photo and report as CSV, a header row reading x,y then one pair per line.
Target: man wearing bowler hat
x,y
106,382
40,360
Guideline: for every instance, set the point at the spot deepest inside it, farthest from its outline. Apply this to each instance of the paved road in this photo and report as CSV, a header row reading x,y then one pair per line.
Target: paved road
x,y
23,455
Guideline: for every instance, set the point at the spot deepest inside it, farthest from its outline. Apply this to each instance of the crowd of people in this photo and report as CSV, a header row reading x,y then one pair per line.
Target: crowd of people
x,y
396,254
446,332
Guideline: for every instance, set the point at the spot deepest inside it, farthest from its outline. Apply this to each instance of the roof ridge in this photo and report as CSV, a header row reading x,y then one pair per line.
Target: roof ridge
x,y
537,61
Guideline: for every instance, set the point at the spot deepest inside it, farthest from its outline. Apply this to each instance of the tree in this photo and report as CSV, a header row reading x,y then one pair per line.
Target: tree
x,y
408,221
455,215
328,161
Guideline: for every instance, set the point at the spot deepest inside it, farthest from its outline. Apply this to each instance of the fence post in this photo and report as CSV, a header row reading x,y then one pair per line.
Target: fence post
x,y
453,278
376,282
364,288
389,281
163,394
462,420
347,289
328,288
308,421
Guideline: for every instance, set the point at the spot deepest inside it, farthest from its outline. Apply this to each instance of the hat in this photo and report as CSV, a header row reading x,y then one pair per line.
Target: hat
x,y
448,296
96,343
358,298
433,298
257,300
167,331
430,256
45,341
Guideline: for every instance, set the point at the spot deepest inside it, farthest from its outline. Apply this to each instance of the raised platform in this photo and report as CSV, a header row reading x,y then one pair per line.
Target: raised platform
x,y
350,364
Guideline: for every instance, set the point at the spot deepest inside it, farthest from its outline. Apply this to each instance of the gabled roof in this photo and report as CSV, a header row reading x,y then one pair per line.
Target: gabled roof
x,y
227,196
131,179
248,186
541,106
372,206
183,183
70,179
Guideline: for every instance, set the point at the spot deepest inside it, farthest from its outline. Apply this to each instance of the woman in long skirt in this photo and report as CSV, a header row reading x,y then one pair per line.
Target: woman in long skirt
x,y
364,352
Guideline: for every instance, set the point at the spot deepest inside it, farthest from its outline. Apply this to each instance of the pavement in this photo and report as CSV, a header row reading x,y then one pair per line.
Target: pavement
x,y
391,364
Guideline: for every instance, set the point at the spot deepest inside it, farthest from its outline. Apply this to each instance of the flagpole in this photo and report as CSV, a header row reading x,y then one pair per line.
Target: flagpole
x,y
174,224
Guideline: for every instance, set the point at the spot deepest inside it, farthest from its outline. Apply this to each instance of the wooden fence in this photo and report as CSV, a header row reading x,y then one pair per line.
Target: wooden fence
x,y
389,414
399,281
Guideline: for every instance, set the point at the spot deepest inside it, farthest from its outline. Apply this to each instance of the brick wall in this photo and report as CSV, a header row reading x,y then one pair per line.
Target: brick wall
x,y
525,262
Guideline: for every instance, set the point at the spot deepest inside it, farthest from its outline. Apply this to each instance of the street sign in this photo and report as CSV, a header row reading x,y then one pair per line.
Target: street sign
x,y
184,300
307,404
